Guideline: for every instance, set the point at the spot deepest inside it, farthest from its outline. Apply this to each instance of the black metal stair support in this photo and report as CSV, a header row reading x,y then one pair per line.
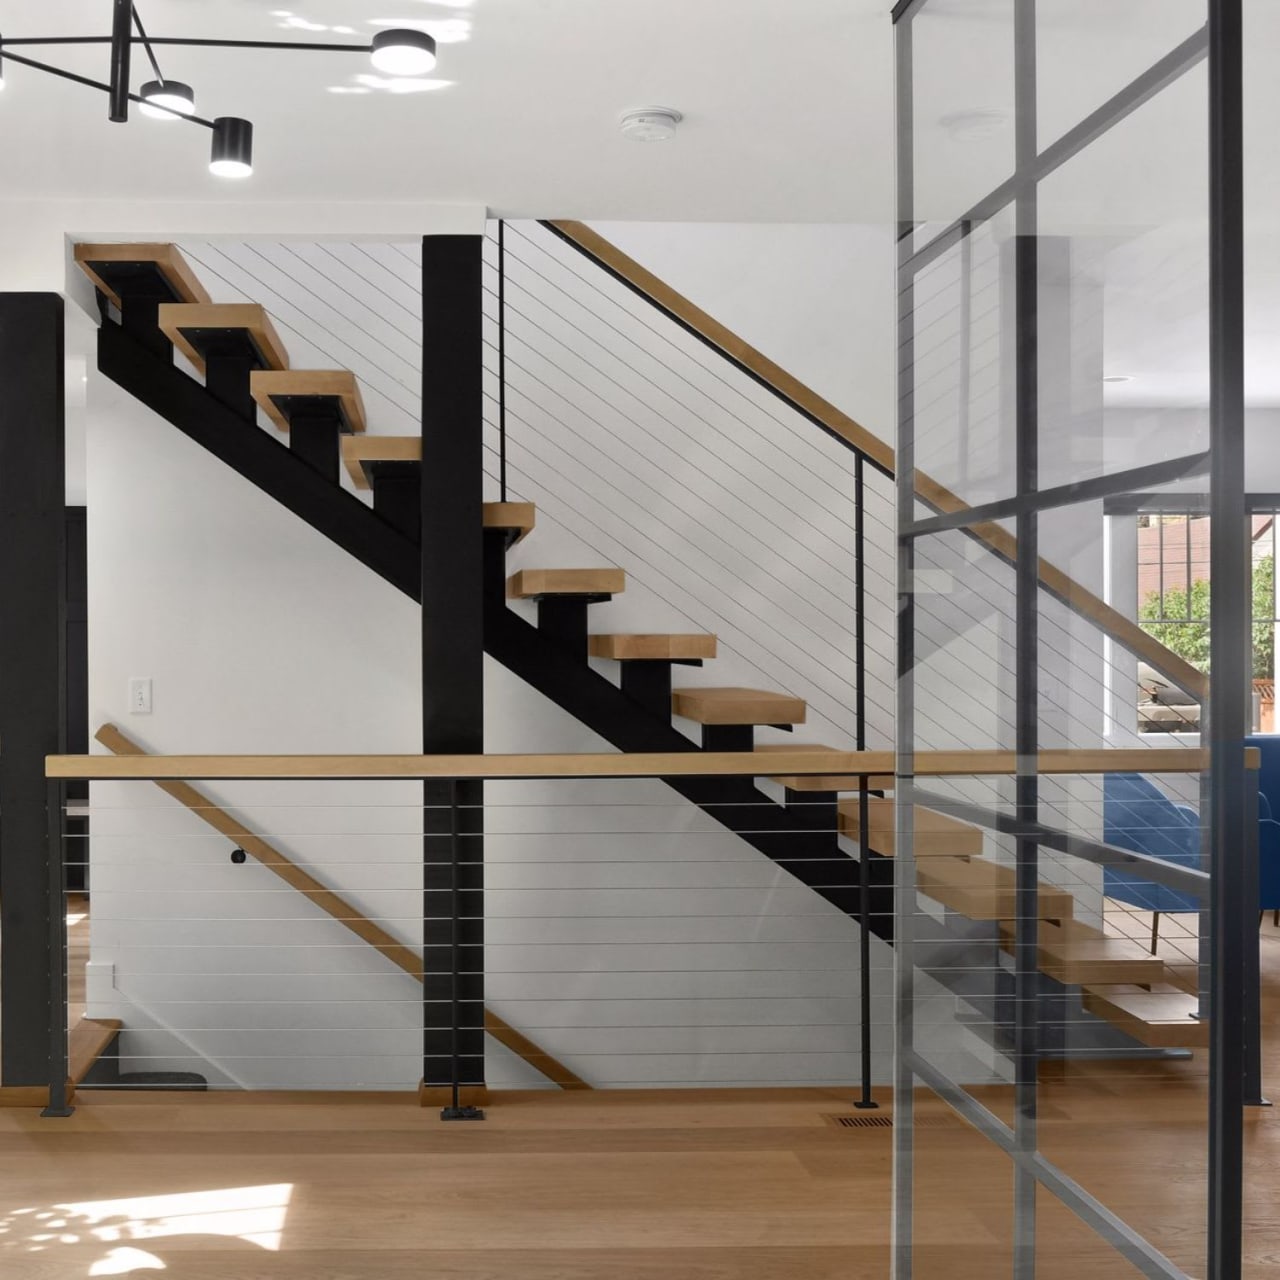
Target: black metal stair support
x,y
259,457
647,681
316,427
564,618
790,838
141,287
818,807
397,495
728,737
230,356
795,838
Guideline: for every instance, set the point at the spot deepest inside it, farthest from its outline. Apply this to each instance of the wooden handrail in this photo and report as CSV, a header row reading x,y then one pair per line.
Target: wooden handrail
x,y
690,763
329,902
1121,629
133,763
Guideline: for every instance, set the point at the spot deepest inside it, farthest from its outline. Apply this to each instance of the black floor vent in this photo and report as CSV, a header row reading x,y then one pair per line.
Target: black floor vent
x,y
884,1120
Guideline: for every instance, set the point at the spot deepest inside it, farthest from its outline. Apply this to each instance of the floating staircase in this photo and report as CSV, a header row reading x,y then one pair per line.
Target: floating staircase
x,y
245,367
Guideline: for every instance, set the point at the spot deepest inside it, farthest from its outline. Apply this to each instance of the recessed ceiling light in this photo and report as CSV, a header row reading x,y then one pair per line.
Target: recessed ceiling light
x,y
1118,377
650,124
976,125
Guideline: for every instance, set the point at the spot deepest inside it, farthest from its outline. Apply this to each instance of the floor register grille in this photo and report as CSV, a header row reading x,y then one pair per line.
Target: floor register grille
x,y
884,1120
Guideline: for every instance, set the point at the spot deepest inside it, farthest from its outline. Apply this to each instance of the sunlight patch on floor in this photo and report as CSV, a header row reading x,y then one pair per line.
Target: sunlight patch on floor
x,y
253,1214
115,1233
123,1262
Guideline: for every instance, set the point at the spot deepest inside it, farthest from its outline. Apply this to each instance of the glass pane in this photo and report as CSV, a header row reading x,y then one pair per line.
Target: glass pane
x,y
962,365
1124,295
963,1184
962,90
1090,50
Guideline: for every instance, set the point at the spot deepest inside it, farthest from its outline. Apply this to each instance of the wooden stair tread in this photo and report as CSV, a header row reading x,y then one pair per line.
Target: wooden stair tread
x,y
936,834
360,451
984,890
529,584
515,517
1159,1016
737,706
101,262
86,1043
651,647
824,781
270,386
177,319
1077,954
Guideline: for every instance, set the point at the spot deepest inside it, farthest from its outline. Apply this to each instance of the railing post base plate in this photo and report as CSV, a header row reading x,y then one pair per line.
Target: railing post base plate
x,y
461,1113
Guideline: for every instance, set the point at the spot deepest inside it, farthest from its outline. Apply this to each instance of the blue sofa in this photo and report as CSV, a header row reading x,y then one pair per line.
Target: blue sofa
x,y
1137,815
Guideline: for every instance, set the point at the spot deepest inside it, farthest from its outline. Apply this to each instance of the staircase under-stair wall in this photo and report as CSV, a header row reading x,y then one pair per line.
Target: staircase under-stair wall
x,y
267,637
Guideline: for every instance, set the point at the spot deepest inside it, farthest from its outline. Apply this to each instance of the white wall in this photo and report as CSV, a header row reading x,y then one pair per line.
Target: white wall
x,y
818,299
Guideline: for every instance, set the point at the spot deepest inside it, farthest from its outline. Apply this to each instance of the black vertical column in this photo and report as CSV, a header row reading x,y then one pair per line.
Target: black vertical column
x,y
32,663
453,642
1027,643
1229,638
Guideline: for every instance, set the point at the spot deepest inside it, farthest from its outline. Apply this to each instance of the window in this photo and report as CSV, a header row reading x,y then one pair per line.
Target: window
x,y
1173,606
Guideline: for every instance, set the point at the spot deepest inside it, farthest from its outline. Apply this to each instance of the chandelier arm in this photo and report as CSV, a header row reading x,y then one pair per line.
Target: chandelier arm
x,y
259,44
146,44
6,56
57,40
192,43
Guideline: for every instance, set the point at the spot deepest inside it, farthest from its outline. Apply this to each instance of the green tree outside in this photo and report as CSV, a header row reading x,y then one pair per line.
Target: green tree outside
x,y
1189,637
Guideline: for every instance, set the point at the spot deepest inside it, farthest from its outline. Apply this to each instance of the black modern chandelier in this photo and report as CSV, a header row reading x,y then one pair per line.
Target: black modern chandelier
x,y
393,52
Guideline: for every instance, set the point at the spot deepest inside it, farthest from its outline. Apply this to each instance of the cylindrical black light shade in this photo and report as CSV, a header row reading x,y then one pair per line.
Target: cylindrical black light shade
x,y
232,155
173,94
403,52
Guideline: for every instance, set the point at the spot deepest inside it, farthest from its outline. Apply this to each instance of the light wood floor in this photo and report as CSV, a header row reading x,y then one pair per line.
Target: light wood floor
x,y
723,1185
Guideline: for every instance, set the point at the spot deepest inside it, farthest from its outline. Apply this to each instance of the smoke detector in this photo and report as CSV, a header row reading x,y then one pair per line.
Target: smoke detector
x,y
650,124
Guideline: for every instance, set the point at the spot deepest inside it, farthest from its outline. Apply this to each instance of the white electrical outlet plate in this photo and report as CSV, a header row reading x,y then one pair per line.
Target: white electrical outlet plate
x,y
139,695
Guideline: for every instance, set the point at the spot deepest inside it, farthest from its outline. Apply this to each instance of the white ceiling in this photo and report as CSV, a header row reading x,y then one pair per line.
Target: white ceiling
x,y
789,107
789,118
787,104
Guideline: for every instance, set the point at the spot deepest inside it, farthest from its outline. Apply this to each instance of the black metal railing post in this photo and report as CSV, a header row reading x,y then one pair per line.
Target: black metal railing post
x,y
1229,611
59,1102
865,1102
859,604
864,806
455,1110
502,360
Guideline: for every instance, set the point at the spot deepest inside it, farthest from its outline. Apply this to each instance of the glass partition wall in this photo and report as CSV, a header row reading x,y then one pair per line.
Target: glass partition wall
x,y
1077,1023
